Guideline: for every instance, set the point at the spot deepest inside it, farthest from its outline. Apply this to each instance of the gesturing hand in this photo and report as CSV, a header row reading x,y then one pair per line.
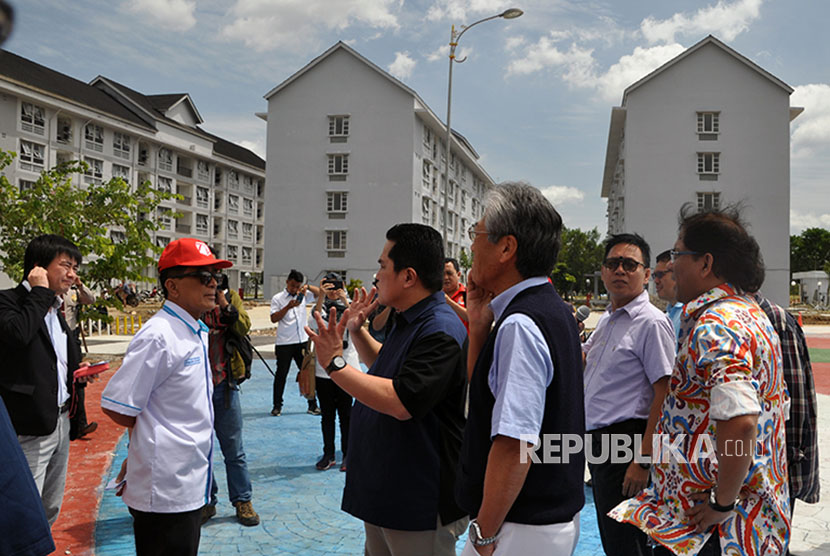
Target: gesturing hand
x,y
328,340
362,306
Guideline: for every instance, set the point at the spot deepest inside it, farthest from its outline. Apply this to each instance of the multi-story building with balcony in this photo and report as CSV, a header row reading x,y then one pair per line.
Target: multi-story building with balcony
x,y
708,128
353,151
48,118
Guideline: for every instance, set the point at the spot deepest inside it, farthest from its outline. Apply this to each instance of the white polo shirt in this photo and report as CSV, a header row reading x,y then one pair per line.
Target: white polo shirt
x,y
165,383
291,329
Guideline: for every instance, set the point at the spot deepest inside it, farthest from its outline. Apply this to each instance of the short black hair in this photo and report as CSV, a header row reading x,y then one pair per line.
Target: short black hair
x,y
663,257
633,239
418,247
43,249
454,263
169,272
722,233
296,275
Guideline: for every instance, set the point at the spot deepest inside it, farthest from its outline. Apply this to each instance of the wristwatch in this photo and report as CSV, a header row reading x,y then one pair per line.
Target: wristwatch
x,y
337,363
713,503
475,535
645,464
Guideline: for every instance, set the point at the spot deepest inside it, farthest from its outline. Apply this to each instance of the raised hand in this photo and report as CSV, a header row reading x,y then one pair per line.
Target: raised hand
x,y
328,340
361,307
38,277
478,309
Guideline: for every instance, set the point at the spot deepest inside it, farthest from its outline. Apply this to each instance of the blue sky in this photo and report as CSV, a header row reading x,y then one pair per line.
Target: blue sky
x,y
534,96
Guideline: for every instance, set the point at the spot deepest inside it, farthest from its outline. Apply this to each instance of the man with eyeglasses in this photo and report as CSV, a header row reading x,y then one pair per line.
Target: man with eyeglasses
x,y
667,290
628,360
163,394
728,394
39,355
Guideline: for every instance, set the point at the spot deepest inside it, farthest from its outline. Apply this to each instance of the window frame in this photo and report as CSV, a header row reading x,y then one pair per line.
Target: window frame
x,y
338,164
30,122
94,137
337,202
339,125
27,160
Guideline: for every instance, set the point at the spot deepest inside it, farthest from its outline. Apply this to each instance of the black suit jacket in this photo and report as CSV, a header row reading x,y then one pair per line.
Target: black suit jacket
x,y
28,364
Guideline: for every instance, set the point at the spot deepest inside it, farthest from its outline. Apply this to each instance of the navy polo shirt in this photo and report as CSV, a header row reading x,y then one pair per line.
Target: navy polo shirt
x,y
402,473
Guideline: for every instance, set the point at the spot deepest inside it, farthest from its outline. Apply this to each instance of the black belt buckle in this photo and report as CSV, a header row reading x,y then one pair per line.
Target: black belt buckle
x,y
65,407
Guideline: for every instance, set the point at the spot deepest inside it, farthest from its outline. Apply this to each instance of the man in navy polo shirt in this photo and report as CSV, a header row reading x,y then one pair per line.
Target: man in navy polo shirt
x,y
408,417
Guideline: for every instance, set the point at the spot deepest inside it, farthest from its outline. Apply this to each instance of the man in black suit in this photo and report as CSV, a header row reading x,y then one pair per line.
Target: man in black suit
x,y
39,355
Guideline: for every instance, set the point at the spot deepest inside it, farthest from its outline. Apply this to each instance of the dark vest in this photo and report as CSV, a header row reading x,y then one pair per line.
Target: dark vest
x,y
552,493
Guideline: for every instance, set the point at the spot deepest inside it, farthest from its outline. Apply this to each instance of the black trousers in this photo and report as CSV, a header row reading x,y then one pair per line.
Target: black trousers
x,y
167,534
618,539
333,399
285,355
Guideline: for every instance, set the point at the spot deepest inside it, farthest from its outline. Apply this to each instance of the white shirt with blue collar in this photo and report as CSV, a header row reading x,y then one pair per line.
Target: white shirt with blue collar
x,y
165,383
521,371
58,337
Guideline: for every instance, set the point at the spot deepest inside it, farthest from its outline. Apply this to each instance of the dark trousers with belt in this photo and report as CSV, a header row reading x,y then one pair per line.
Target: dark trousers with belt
x,y
159,534
620,539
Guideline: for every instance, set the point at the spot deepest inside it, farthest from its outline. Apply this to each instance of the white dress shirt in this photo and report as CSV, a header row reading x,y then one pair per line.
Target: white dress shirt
x,y
291,329
58,337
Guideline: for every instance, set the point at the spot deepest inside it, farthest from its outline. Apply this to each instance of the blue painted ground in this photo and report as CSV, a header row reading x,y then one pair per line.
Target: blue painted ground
x,y
299,506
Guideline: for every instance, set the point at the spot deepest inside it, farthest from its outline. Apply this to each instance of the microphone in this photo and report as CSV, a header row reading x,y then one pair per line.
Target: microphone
x,y
582,313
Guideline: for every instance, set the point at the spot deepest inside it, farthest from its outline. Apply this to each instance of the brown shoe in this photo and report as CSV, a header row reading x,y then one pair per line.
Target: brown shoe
x,y
90,428
208,511
245,513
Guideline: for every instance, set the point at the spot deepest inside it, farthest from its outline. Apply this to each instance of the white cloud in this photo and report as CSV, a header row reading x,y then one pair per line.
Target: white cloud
x,y
294,24
562,194
403,65
176,15
632,68
800,221
462,10
512,43
725,20
811,130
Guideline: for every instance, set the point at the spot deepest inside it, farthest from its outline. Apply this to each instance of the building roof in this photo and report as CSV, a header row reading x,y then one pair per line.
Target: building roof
x,y
114,99
39,78
422,108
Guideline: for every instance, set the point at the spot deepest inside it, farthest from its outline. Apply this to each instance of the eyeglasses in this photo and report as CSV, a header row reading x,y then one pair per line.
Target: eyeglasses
x,y
675,254
658,274
204,276
629,265
473,233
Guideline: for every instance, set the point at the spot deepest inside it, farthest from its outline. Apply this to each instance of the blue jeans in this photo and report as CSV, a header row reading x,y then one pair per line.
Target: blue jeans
x,y
227,414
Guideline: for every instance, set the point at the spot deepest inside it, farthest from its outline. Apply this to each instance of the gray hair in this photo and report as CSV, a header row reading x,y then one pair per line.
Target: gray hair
x,y
520,210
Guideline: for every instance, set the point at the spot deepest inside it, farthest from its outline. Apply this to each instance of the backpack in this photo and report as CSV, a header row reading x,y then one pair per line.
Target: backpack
x,y
238,343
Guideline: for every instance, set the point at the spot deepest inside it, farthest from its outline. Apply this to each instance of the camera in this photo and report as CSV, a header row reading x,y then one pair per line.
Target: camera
x,y
337,284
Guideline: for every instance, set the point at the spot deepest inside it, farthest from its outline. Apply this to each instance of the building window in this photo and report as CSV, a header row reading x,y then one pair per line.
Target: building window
x,y
143,154
338,128
165,221
31,156
247,231
708,165
233,179
336,243
233,204
64,132
233,229
121,145
31,118
25,185
162,241
95,170
203,170
338,166
165,184
94,135
463,200
708,201
426,174
248,207
117,236
202,197
425,212
165,159
122,172
428,139
708,125
247,255
337,202
232,250
202,224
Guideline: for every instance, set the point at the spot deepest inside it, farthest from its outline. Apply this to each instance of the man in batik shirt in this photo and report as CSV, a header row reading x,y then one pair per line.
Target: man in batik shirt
x,y
726,399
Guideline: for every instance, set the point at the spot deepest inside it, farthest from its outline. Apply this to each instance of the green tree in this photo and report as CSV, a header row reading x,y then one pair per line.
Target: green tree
x,y
581,253
82,215
810,250
465,260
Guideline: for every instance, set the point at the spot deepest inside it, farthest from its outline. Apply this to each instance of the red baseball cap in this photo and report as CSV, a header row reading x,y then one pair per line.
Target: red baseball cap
x,y
189,251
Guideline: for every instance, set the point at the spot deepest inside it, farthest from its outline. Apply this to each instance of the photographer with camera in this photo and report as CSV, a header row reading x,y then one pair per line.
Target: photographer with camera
x,y
333,399
288,311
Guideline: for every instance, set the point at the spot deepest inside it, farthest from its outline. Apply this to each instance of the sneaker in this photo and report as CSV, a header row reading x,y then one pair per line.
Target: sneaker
x,y
245,513
276,412
325,462
313,410
208,511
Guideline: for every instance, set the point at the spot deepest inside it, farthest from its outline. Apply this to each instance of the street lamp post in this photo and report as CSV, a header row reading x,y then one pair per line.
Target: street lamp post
x,y
511,13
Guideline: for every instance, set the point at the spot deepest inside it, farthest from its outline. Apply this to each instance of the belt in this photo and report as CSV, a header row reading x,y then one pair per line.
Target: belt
x,y
65,407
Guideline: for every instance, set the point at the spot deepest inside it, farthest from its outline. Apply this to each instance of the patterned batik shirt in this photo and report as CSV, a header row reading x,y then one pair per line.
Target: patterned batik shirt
x,y
729,364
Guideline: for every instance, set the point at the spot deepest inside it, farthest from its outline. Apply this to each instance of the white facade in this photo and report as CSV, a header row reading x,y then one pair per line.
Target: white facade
x,y
352,151
48,118
707,128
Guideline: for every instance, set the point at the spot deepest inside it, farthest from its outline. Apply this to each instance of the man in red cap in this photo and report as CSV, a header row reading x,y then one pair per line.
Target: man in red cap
x,y
163,394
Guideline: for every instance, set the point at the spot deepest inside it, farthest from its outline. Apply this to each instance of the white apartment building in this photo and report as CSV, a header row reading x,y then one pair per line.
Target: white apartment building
x,y
709,128
48,118
351,152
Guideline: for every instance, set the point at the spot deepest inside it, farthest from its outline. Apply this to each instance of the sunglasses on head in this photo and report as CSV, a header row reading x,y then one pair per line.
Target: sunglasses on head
x,y
629,265
204,276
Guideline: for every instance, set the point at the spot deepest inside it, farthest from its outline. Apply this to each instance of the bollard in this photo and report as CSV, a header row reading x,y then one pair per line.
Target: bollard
x,y
132,324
